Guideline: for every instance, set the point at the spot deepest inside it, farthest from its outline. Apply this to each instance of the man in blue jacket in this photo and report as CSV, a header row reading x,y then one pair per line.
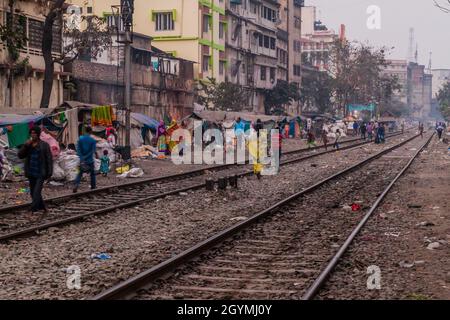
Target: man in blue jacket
x,y
86,151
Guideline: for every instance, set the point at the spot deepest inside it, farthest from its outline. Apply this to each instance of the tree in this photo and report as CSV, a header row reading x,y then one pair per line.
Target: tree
x,y
316,91
282,94
91,41
444,5
224,96
443,97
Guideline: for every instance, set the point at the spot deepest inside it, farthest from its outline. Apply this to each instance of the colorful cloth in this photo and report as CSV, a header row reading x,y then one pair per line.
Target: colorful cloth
x,y
162,144
102,116
18,134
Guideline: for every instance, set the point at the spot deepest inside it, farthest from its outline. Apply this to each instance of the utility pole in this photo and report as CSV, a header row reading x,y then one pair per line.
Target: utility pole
x,y
127,9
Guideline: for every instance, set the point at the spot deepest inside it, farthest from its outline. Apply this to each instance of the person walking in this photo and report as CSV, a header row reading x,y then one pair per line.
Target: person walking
x,y
363,131
440,129
325,139
104,163
355,128
38,167
86,152
381,133
311,139
369,129
421,129
403,127
336,140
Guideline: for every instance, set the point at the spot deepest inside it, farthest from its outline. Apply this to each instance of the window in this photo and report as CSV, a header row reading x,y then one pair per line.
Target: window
x,y
111,21
272,43
272,74
266,41
205,23
261,40
205,63
268,14
297,22
297,46
89,10
263,73
164,21
243,68
297,71
221,30
222,67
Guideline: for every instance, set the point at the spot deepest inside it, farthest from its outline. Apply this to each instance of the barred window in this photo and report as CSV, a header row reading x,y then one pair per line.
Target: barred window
x,y
164,21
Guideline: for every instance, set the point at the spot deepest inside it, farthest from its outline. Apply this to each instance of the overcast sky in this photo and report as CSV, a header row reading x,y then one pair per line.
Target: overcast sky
x,y
431,25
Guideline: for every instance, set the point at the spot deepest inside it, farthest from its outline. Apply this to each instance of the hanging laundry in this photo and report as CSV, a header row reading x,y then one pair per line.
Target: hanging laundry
x,y
102,116
71,132
18,134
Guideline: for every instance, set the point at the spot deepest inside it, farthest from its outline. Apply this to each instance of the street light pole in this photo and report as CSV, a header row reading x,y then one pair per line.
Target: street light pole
x,y
127,9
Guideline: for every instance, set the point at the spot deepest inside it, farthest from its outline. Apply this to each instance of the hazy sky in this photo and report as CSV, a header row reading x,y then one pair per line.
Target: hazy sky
x,y
431,25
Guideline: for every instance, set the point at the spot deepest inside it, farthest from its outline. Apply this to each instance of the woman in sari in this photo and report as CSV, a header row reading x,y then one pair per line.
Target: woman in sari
x,y
161,138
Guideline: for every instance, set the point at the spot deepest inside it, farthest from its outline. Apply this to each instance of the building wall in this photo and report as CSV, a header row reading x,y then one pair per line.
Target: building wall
x,y
187,39
440,78
399,68
25,90
419,90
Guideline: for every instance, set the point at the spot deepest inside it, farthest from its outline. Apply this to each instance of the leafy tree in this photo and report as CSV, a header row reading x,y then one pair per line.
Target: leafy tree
x,y
443,98
282,94
224,96
316,91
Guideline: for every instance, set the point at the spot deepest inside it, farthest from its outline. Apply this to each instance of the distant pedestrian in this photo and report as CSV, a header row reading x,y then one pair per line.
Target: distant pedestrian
x,y
440,129
104,163
325,139
403,127
355,128
311,139
336,140
369,129
381,133
363,131
38,167
86,151
421,129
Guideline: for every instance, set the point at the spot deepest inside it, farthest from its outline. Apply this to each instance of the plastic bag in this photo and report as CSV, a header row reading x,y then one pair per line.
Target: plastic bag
x,y
133,173
58,172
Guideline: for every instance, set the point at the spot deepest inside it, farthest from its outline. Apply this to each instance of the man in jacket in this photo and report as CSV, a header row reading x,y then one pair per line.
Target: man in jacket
x,y
86,151
38,167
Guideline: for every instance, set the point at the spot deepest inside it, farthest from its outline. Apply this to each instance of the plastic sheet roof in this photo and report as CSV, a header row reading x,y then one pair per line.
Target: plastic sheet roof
x,y
10,119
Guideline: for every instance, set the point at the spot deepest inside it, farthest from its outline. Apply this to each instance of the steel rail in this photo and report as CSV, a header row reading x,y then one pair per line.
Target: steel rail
x,y
321,279
11,208
79,217
126,288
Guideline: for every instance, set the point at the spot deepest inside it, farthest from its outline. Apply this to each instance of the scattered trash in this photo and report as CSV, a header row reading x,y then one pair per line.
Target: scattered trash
x,y
56,184
414,206
392,234
435,208
383,215
123,169
419,262
405,264
133,173
425,224
183,193
238,219
100,256
347,208
356,207
24,190
433,245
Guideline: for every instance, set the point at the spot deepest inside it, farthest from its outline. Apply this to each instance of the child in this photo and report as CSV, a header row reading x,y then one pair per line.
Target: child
x,y
336,141
104,164
325,139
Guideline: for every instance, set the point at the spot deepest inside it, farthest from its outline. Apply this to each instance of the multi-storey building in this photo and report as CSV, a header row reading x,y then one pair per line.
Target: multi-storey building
x,y
190,29
399,69
440,78
419,90
251,47
21,81
317,40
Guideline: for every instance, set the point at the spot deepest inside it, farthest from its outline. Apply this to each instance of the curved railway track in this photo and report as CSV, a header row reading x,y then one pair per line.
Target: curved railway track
x,y
16,221
268,256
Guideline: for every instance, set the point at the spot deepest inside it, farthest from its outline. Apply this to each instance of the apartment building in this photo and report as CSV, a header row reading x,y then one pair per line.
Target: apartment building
x,y
251,47
399,69
190,29
21,81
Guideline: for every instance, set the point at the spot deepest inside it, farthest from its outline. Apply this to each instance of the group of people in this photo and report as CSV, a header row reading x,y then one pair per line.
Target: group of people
x,y
440,128
38,163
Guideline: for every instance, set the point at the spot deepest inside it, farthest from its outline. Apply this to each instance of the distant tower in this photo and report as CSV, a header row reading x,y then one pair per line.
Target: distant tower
x,y
430,62
411,45
416,55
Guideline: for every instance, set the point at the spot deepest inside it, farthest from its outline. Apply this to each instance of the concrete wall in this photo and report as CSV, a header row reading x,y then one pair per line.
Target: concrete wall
x,y
25,91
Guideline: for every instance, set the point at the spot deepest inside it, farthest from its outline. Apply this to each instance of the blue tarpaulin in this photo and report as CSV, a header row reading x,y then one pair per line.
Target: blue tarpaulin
x,y
151,123
10,119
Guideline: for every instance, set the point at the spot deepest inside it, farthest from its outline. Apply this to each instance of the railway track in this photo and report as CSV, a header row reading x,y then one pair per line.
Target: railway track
x,y
16,221
286,251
